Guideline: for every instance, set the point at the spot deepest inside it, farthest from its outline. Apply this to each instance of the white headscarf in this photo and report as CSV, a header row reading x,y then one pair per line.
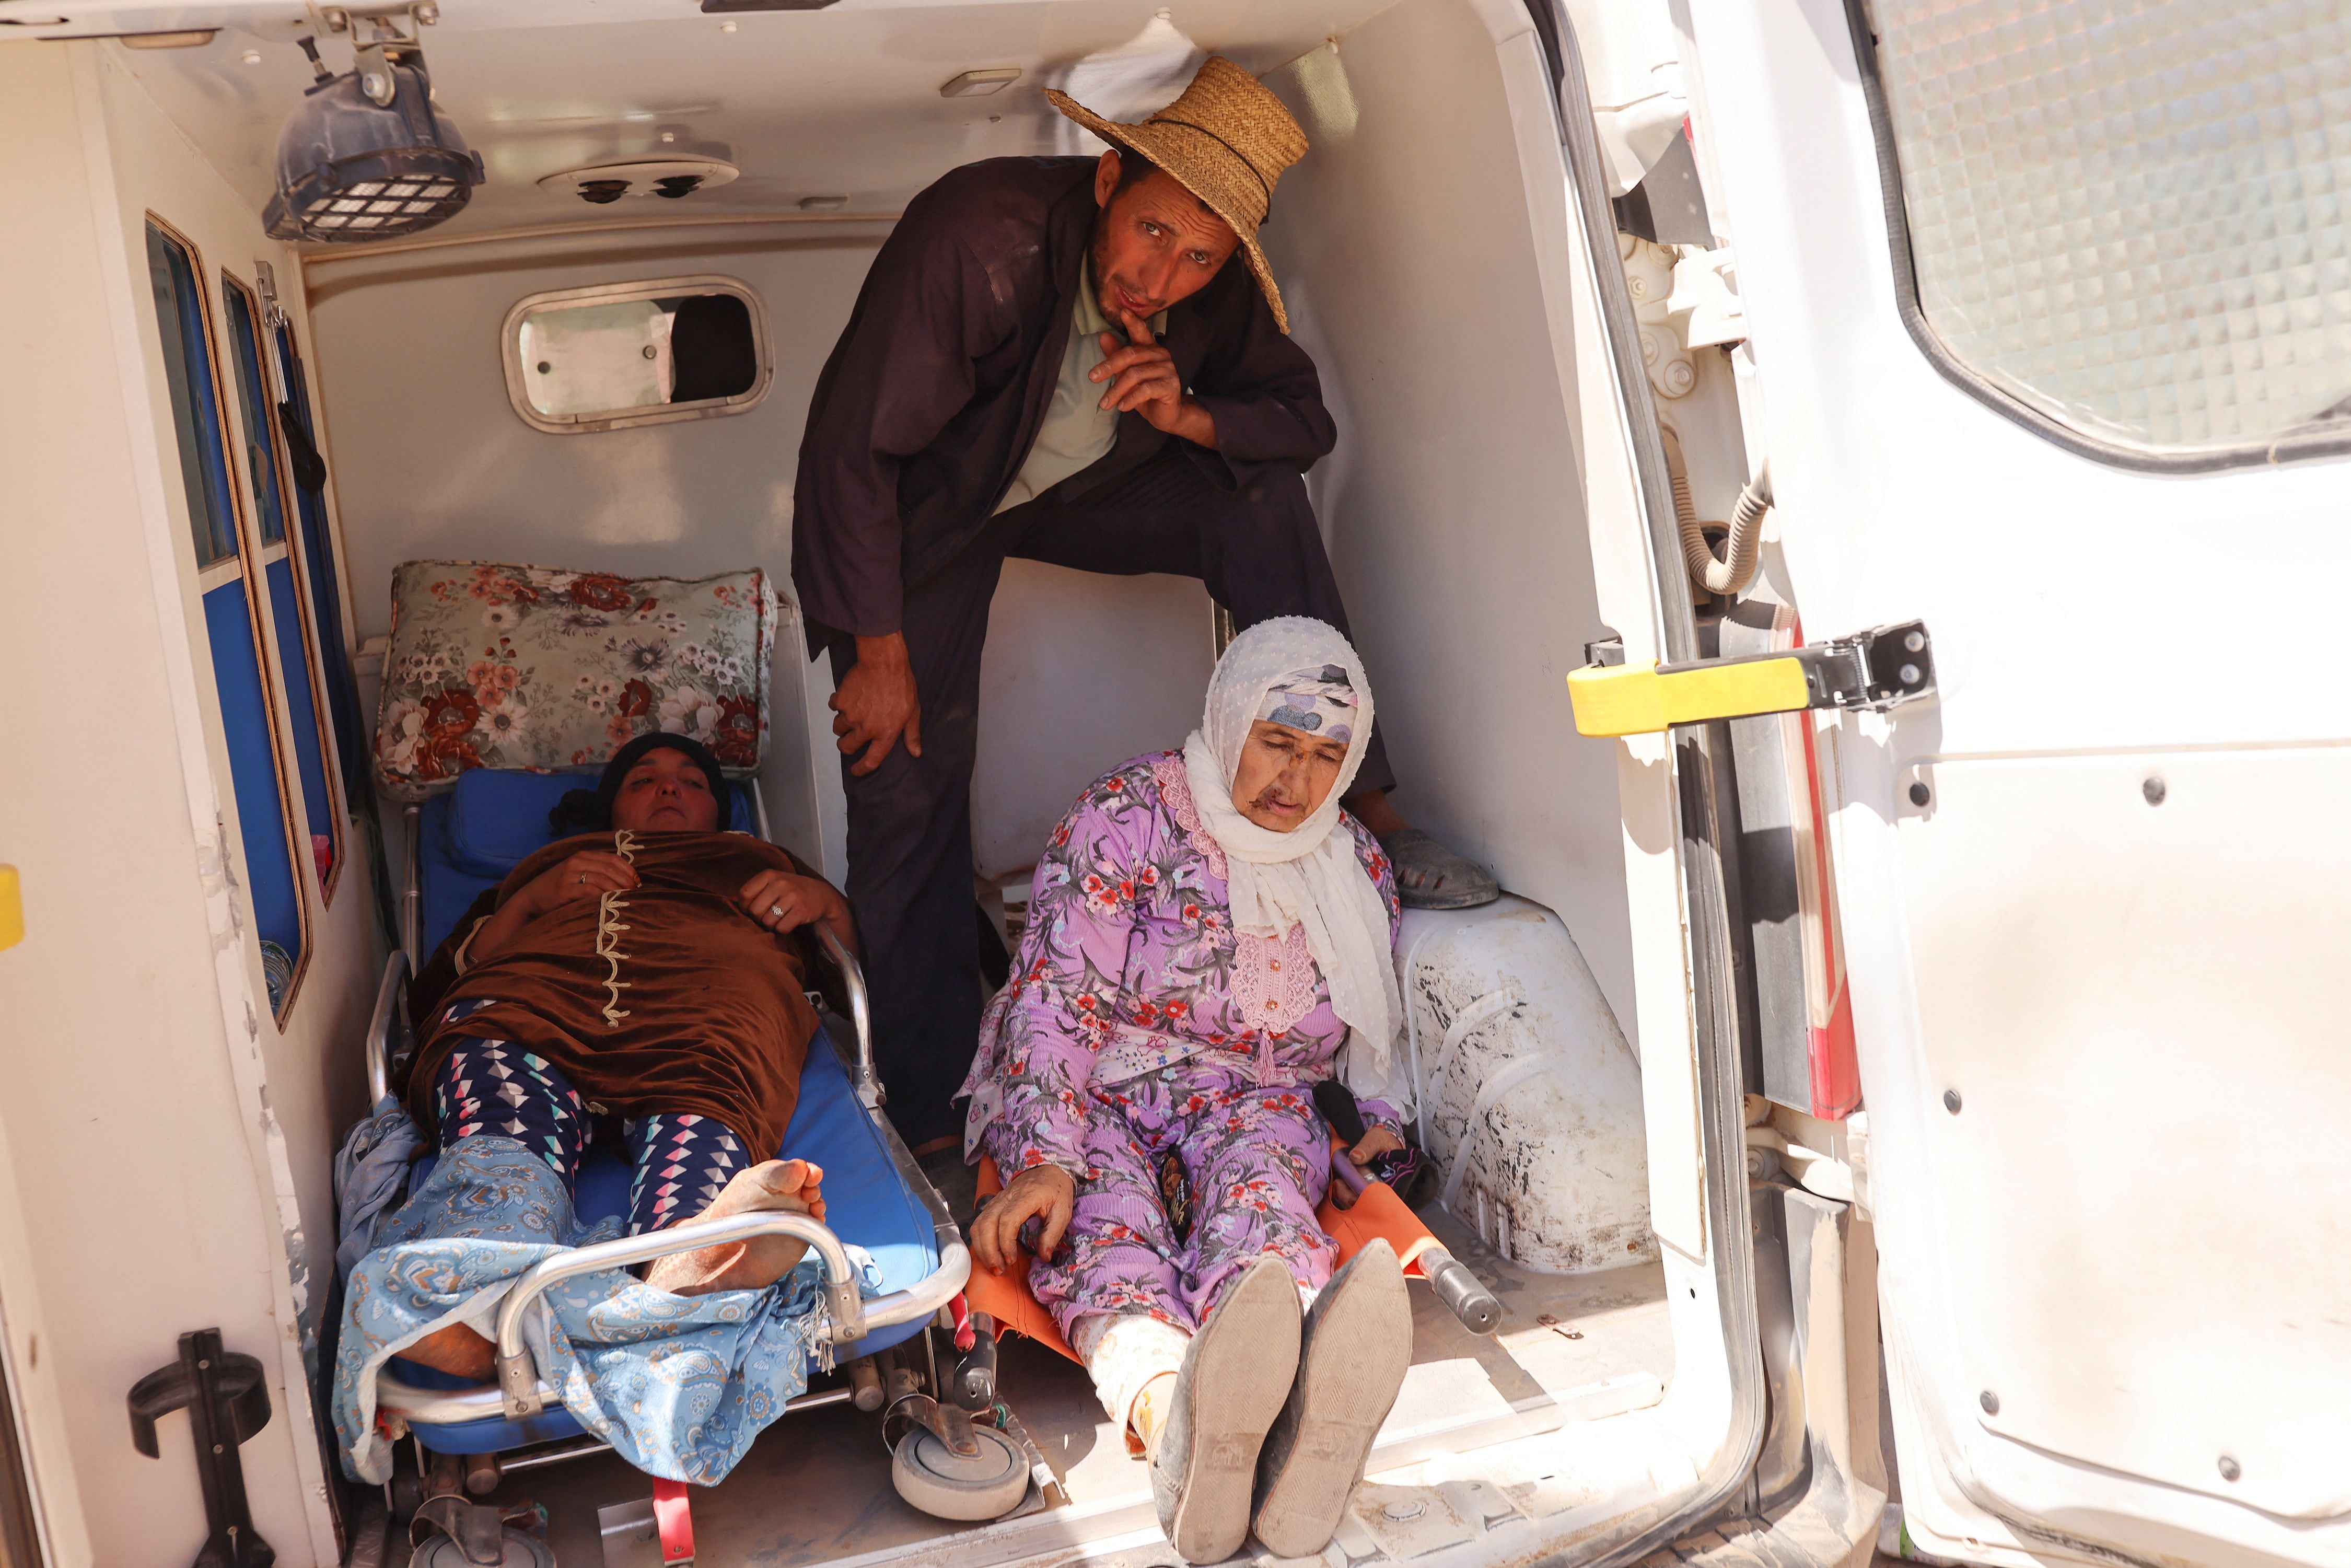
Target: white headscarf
x,y
1310,876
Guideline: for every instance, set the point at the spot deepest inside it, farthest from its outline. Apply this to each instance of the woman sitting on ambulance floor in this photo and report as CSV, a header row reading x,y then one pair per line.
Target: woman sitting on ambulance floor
x,y
644,969
1210,935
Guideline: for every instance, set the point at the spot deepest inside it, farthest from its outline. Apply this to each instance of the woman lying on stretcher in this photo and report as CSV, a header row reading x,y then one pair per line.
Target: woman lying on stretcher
x,y
1209,936
643,972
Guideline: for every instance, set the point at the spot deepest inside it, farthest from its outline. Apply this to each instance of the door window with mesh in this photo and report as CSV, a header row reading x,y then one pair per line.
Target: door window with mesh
x,y
2128,217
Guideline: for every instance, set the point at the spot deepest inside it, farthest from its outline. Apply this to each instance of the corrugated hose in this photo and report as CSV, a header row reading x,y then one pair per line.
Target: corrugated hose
x,y
1735,568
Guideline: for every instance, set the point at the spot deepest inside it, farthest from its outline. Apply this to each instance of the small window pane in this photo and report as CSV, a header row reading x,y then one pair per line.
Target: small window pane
x,y
253,406
195,406
711,350
2126,213
597,359
302,715
592,359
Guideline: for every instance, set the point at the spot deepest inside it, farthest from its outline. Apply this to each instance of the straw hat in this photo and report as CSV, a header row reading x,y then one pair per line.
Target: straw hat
x,y
1227,140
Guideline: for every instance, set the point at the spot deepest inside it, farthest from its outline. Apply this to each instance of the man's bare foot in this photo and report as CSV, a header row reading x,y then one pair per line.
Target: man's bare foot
x,y
457,1350
789,1186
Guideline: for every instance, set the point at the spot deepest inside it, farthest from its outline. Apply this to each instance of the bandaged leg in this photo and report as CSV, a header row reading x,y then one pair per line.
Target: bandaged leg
x,y
1126,1354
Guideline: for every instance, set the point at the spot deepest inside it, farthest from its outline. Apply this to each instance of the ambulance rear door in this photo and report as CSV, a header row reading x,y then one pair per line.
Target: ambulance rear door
x,y
2050,306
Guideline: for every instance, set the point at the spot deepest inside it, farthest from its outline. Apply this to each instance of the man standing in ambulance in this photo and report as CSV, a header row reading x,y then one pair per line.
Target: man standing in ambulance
x,y
1051,359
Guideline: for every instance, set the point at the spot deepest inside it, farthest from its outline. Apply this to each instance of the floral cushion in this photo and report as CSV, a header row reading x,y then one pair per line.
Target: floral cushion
x,y
519,666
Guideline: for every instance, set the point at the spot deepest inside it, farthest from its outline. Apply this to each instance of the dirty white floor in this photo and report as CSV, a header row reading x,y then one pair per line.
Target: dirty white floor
x,y
816,1488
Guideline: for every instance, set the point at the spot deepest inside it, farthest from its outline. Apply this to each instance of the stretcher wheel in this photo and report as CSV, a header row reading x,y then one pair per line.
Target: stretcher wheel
x,y
520,1552
929,1475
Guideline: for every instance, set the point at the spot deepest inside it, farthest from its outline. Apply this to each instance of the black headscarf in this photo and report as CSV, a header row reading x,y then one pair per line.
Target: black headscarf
x,y
590,810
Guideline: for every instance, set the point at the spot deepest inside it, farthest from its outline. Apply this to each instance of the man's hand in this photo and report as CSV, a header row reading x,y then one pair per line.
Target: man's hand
x,y
783,901
1143,381
876,703
1045,1190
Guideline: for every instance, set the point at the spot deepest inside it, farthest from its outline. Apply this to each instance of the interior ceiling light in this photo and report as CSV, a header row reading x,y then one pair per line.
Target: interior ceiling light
x,y
980,83
671,177
367,155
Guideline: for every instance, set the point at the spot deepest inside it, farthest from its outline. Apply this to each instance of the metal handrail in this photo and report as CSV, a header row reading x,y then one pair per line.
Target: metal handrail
x,y
853,1317
870,1092
390,997
412,897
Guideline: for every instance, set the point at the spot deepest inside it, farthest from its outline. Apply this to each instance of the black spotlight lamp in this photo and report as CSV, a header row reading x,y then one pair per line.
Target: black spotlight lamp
x,y
367,156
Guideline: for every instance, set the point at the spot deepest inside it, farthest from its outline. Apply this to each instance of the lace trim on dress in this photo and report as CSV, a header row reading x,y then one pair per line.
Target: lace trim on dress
x,y
1275,984
1176,789
607,933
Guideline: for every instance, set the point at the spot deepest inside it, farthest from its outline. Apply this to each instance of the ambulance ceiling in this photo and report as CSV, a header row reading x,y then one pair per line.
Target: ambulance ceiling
x,y
840,102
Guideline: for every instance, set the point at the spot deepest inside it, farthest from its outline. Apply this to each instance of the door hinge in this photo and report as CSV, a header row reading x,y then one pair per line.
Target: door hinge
x,y
1878,669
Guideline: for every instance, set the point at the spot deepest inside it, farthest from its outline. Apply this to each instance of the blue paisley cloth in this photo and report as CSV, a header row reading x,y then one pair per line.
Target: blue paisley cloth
x,y
679,1385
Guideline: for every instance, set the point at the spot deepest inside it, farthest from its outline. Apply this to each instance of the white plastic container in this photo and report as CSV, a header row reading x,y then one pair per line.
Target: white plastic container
x,y
1530,1095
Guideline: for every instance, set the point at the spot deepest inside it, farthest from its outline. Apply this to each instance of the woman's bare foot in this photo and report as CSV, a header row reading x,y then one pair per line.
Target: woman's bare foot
x,y
786,1185
457,1350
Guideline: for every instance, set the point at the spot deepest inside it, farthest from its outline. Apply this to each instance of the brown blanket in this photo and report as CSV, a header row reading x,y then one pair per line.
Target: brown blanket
x,y
667,998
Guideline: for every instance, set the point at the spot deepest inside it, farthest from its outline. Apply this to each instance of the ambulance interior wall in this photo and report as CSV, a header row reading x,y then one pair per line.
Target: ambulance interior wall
x,y
1454,504
169,1145
432,462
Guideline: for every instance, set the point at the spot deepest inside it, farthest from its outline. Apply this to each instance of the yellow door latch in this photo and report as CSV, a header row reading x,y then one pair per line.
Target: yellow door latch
x,y
12,908
1876,669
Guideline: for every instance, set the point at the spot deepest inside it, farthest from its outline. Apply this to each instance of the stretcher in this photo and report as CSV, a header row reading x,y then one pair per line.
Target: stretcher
x,y
1003,1303
465,842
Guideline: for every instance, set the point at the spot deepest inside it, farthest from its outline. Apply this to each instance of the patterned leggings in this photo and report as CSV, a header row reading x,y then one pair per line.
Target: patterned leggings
x,y
496,1088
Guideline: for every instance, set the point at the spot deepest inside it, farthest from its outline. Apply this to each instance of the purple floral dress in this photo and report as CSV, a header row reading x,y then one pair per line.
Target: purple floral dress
x,y
1162,1061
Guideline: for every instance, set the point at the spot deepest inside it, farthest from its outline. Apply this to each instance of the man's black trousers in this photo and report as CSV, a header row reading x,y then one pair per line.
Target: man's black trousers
x,y
1259,554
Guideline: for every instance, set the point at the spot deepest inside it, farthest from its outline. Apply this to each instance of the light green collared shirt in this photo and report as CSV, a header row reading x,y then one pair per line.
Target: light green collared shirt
x,y
1078,431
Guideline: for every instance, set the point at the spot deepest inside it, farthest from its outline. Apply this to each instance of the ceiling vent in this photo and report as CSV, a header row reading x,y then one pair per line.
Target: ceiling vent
x,y
671,177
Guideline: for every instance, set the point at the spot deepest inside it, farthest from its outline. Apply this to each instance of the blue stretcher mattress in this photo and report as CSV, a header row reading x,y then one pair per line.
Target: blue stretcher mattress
x,y
471,837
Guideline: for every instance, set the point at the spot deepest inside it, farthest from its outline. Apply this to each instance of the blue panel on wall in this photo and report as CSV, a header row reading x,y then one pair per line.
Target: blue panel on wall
x,y
252,771
302,712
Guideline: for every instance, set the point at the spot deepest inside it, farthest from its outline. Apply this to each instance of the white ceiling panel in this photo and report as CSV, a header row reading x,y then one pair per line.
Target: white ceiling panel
x,y
839,102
